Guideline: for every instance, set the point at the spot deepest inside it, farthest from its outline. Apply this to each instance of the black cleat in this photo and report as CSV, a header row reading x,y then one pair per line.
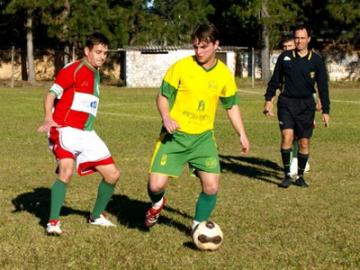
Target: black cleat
x,y
286,182
301,182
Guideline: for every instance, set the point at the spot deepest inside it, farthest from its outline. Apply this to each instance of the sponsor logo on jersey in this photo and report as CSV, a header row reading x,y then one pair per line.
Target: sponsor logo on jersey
x,y
93,104
85,103
287,58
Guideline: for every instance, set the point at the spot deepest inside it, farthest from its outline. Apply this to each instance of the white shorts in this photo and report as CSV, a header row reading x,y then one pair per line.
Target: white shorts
x,y
85,147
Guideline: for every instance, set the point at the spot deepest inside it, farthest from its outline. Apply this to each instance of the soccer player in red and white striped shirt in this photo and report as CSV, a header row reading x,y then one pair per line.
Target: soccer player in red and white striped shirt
x,y
70,108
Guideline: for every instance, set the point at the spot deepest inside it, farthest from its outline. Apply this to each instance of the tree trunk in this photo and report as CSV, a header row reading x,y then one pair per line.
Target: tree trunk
x,y
66,54
30,47
265,52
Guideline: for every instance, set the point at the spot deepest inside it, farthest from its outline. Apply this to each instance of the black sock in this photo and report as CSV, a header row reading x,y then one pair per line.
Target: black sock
x,y
302,160
286,157
155,196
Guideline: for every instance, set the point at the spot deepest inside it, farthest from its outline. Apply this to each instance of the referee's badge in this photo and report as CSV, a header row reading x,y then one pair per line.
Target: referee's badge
x,y
312,74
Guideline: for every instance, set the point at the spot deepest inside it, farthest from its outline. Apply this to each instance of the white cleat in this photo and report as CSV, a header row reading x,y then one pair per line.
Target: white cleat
x,y
53,227
101,221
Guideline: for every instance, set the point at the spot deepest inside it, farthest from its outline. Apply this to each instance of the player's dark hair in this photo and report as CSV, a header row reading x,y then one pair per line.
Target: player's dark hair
x,y
302,27
287,38
205,32
95,39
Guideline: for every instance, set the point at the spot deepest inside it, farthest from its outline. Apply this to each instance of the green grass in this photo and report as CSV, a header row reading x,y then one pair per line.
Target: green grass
x,y
264,227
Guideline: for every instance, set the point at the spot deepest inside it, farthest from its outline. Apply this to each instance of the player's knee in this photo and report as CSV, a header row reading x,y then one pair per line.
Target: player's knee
x,y
113,176
157,182
65,174
211,189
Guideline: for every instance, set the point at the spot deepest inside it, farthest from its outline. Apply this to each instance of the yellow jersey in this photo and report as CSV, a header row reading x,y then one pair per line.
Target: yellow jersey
x,y
193,93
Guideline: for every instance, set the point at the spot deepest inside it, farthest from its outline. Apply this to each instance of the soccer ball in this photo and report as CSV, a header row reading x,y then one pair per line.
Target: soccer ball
x,y
208,236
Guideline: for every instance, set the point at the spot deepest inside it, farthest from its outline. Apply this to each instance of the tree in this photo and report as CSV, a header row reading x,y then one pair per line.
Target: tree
x,y
180,17
339,24
29,8
258,23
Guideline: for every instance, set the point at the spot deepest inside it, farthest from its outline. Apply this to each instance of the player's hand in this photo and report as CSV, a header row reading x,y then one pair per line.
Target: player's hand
x,y
268,109
45,127
245,144
318,105
170,125
326,119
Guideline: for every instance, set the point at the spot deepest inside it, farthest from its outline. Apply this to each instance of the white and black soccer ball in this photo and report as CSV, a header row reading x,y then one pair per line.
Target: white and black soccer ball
x,y
208,236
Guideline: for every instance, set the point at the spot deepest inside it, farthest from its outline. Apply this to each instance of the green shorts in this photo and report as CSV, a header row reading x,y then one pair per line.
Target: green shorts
x,y
173,151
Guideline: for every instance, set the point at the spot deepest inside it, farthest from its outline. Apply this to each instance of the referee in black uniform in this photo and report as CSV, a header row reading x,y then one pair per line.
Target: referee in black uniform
x,y
297,71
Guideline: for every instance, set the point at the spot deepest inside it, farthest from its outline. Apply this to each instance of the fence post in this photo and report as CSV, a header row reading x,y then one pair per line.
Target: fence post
x,y
12,66
252,67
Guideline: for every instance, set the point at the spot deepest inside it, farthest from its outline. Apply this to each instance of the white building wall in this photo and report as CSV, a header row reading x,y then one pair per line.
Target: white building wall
x,y
148,69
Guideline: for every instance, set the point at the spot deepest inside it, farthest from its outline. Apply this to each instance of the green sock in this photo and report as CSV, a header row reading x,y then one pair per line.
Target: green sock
x,y
295,149
58,191
204,206
105,192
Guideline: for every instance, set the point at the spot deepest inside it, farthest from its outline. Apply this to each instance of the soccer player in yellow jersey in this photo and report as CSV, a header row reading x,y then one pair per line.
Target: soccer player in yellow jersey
x,y
187,104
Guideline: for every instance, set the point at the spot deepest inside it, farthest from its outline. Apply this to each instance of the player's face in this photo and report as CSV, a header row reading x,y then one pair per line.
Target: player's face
x,y
96,56
205,52
288,45
302,39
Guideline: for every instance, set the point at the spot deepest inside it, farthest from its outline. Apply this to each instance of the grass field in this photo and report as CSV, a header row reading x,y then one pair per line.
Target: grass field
x,y
264,227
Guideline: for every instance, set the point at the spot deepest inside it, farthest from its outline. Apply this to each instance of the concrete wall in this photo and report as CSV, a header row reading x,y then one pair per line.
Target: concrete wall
x,y
148,69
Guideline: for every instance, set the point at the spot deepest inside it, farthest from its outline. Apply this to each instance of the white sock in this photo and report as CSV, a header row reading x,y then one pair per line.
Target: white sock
x,y
194,224
158,204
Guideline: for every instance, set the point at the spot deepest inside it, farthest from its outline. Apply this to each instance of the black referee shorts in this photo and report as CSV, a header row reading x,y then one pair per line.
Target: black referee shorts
x,y
297,114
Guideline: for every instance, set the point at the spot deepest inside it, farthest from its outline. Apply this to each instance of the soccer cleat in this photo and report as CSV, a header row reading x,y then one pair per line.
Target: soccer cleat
x,y
301,182
286,182
101,221
53,227
152,214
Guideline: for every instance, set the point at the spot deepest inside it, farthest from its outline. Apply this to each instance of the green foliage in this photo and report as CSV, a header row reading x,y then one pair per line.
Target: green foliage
x,y
242,20
169,22
180,17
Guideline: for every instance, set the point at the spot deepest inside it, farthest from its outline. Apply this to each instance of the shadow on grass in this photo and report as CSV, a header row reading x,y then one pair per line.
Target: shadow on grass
x,y
252,167
131,213
37,203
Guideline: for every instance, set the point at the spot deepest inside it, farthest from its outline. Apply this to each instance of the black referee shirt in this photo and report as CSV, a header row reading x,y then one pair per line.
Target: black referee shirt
x,y
298,75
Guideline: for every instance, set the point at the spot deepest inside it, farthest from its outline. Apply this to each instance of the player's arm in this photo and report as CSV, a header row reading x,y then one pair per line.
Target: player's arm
x,y
162,103
273,85
234,115
48,119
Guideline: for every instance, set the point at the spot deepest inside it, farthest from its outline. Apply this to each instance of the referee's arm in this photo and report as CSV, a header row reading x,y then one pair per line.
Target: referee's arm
x,y
322,84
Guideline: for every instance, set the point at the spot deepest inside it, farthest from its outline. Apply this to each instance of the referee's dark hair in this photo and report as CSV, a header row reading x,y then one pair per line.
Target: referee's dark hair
x,y
95,39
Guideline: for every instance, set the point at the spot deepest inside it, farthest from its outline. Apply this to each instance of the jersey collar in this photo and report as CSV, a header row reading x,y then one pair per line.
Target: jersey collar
x,y
308,56
86,62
